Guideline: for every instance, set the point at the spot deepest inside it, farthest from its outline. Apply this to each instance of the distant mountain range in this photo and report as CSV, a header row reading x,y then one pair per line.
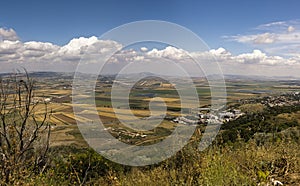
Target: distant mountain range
x,y
264,78
45,74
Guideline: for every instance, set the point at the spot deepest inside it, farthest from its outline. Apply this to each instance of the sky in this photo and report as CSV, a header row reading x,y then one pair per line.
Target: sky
x,y
260,36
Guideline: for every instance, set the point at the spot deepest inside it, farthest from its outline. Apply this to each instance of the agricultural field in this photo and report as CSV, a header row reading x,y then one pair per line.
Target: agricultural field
x,y
64,126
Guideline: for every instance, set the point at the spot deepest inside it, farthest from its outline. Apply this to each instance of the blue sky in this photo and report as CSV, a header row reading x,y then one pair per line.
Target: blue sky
x,y
239,27
59,21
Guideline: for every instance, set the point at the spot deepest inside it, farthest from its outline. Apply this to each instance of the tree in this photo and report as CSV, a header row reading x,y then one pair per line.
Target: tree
x,y
24,130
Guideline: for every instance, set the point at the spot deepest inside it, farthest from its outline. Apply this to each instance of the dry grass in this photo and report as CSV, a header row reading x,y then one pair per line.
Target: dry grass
x,y
256,108
246,165
290,116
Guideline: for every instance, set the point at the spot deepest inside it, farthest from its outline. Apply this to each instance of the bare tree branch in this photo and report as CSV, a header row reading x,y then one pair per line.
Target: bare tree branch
x,y
20,128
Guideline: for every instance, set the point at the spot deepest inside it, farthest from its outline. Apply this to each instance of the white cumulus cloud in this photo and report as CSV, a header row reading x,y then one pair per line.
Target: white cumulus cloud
x,y
291,29
9,47
8,34
272,37
168,52
144,49
36,55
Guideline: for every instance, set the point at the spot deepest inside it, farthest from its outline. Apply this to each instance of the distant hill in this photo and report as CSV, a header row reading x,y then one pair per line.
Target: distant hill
x,y
45,74
263,78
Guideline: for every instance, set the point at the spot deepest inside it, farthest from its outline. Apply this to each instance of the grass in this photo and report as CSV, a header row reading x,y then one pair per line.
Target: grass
x,y
246,164
290,116
237,164
255,108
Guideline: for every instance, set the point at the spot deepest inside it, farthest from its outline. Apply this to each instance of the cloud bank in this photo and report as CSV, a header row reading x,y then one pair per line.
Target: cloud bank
x,y
277,38
45,56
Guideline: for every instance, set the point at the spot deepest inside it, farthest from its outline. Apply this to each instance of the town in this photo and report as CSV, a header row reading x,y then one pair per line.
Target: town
x,y
205,116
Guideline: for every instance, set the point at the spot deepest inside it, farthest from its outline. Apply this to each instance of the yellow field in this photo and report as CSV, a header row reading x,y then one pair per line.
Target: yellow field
x,y
165,99
53,92
63,120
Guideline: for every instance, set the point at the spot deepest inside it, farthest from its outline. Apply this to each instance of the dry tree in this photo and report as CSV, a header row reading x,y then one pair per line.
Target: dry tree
x,y
24,128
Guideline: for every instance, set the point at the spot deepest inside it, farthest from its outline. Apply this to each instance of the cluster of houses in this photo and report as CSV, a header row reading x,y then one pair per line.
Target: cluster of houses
x,y
205,116
119,132
41,100
54,99
287,99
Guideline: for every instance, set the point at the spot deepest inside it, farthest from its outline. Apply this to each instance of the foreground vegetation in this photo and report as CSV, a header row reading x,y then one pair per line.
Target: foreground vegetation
x,y
236,164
